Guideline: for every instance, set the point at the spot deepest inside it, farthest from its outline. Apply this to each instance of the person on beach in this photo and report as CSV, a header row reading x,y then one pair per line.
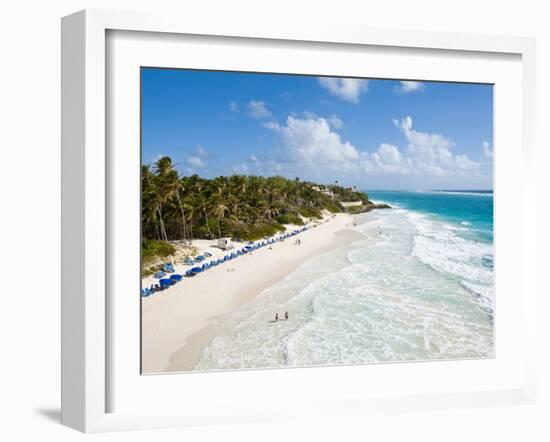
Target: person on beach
x,y
286,316
276,317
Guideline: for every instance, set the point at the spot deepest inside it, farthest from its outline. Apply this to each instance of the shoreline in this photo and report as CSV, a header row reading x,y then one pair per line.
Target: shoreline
x,y
179,323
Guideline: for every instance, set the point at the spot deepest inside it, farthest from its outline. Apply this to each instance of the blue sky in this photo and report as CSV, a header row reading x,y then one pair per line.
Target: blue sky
x,y
375,134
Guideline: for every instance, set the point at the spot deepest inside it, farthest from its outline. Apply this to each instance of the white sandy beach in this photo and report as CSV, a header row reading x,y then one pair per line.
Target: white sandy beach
x,y
178,323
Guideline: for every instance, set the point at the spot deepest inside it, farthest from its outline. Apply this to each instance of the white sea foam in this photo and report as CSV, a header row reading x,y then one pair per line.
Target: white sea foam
x,y
412,290
468,260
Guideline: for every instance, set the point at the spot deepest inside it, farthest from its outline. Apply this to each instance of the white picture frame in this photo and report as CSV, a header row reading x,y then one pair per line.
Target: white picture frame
x,y
86,315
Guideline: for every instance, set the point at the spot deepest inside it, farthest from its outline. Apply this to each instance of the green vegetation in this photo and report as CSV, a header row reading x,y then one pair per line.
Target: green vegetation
x,y
290,218
334,208
310,212
152,248
178,207
253,232
150,251
355,209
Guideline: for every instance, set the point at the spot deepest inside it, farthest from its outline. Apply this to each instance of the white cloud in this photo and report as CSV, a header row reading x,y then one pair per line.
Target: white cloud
x,y
201,151
421,138
240,169
233,107
487,151
348,89
272,125
306,114
265,166
195,161
313,147
426,155
430,154
386,160
406,87
464,163
258,109
335,122
311,141
389,153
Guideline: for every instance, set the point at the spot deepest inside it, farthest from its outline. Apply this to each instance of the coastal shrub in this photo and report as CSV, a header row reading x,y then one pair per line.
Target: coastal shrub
x,y
309,212
148,271
290,218
257,231
252,231
151,248
333,208
236,229
356,209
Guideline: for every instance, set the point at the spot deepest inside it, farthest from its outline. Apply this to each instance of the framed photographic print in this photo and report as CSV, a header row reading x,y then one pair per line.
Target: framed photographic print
x,y
280,223
262,241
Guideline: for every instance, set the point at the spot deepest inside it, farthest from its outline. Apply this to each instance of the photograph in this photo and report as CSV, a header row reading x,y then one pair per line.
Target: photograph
x,y
310,220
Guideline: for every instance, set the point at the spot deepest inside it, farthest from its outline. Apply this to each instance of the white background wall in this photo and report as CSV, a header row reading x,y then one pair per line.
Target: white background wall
x,y
30,200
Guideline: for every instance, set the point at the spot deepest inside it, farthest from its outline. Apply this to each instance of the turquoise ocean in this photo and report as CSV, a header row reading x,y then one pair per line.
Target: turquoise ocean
x,y
419,286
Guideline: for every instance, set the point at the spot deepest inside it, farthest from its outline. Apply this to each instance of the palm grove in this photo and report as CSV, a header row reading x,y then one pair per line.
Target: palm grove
x,y
176,207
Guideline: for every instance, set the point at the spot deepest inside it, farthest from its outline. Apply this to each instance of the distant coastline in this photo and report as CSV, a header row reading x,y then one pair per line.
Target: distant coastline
x,y
458,191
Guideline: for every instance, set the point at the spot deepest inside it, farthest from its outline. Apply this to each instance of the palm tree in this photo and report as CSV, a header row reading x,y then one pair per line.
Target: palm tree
x,y
203,203
220,210
173,184
149,202
173,205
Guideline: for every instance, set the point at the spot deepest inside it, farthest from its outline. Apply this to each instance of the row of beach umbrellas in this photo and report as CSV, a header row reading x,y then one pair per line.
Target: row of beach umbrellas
x,y
165,282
